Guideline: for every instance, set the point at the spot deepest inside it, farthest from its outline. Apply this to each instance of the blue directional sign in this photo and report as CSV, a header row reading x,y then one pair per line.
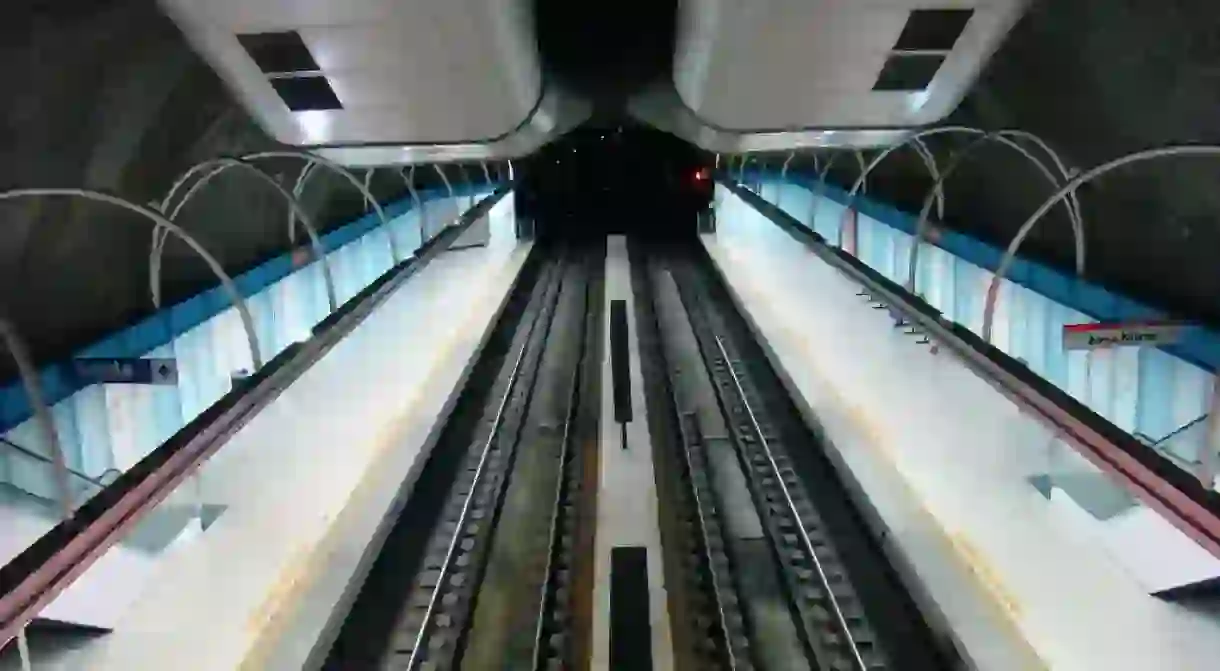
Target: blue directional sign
x,y
105,370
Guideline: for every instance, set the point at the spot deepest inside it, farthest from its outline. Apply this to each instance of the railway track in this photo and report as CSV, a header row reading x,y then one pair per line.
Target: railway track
x,y
820,595
497,580
766,565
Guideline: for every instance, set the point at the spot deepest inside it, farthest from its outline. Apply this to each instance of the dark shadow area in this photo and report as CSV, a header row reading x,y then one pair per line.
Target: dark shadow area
x,y
615,177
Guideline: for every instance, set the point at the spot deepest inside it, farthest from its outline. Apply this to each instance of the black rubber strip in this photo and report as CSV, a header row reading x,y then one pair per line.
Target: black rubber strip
x,y
620,361
630,628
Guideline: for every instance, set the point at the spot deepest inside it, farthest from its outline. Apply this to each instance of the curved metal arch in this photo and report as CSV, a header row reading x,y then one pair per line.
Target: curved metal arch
x,y
28,372
859,158
835,157
821,189
822,184
1011,252
285,153
315,242
298,188
957,160
461,168
419,203
159,220
783,171
929,161
440,170
968,130
368,188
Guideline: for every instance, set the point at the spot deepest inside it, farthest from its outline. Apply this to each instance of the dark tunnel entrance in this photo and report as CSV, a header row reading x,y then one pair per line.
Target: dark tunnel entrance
x,y
615,178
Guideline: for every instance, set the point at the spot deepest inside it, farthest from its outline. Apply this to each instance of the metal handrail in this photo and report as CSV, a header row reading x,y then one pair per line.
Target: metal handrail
x,y
50,462
1174,433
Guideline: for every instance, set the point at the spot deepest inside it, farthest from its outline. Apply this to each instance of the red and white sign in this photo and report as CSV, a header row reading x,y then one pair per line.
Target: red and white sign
x,y
1132,334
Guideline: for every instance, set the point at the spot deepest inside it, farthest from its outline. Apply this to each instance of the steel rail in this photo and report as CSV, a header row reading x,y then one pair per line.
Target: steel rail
x,y
783,487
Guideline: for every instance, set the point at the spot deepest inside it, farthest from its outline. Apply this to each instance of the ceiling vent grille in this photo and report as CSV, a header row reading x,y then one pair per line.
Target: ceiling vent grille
x,y
926,40
933,29
302,94
292,70
279,53
908,72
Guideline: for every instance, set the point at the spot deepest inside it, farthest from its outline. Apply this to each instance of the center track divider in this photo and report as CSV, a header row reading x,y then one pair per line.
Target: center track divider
x,y
752,472
36,576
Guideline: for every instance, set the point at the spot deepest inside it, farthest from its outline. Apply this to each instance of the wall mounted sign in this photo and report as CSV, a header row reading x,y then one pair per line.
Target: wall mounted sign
x,y
1130,334
108,370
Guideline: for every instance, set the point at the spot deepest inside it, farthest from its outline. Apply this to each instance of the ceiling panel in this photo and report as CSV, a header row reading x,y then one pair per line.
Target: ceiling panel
x,y
801,64
405,72
252,15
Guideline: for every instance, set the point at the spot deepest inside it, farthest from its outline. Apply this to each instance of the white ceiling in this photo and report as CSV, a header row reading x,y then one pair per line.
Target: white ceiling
x,y
558,113
800,64
406,71
660,107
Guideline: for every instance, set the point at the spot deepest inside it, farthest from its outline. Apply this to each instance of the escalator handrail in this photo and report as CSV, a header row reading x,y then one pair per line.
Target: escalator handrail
x,y
49,565
41,458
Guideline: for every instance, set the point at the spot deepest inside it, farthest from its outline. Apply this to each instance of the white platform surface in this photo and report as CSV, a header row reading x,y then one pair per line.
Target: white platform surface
x,y
307,480
944,459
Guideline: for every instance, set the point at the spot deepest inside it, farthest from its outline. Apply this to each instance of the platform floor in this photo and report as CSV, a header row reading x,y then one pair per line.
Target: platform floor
x,y
308,481
944,460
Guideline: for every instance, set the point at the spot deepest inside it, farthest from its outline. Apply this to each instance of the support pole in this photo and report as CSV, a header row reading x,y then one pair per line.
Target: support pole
x,y
42,414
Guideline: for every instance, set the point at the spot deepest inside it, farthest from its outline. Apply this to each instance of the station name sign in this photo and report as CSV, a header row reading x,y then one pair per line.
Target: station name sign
x,y
1131,334
106,370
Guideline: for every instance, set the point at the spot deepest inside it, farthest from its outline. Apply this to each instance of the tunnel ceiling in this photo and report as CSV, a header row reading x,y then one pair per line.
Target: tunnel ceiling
x,y
107,95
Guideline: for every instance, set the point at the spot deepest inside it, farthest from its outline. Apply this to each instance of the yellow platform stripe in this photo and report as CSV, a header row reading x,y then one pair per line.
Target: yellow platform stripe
x,y
269,621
